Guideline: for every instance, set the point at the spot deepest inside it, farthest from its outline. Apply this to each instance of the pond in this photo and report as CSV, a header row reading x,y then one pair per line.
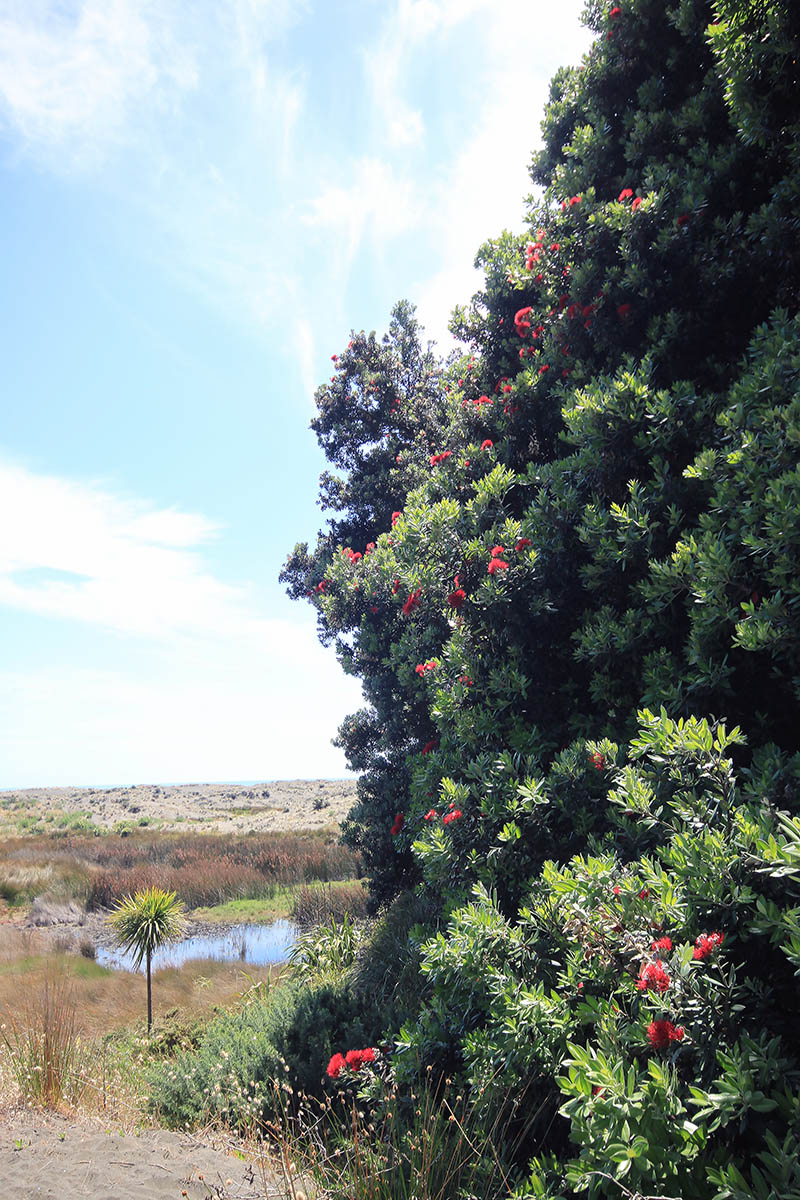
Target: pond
x,y
258,945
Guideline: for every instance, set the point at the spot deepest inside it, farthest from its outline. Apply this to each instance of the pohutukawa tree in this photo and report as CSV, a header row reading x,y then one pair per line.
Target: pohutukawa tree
x,y
589,516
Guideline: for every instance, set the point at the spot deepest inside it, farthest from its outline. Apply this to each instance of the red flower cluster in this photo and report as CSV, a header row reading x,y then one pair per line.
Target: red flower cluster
x,y
487,444
457,598
625,194
395,518
354,1059
522,543
616,11
497,564
395,587
399,822
430,815
706,944
521,322
653,976
431,745
322,586
455,815
336,1066
623,311
597,760
353,555
683,219
438,458
412,602
663,943
465,679
430,665
637,201
661,1033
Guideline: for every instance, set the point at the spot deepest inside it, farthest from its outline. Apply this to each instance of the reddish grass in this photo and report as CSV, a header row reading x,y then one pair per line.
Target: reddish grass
x,y
204,869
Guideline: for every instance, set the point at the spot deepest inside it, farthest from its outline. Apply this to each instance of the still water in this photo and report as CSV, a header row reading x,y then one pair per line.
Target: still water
x,y
258,945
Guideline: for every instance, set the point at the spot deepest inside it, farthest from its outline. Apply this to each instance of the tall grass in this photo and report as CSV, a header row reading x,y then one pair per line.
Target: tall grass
x,y
203,869
428,1146
47,1054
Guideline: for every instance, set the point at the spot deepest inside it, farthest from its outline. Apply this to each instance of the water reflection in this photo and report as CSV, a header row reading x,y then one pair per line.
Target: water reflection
x,y
258,945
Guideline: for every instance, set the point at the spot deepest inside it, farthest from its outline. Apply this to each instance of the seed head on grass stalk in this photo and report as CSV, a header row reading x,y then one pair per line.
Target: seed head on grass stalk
x,y
145,921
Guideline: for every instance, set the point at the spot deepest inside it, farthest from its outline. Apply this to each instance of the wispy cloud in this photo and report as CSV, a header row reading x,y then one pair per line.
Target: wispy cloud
x,y
70,79
217,688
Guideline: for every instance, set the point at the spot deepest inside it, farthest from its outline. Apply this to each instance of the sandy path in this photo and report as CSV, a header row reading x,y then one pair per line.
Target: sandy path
x,y
45,1155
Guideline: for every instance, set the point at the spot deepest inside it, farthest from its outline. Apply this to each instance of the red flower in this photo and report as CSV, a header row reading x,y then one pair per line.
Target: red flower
x,y
497,564
465,679
496,551
395,518
354,1059
615,12
431,745
574,200
334,358
370,546
706,944
487,444
521,322
457,598
395,587
616,889
637,201
625,194
597,760
522,543
430,815
437,458
335,1066
543,369
430,665
455,815
644,893
412,602
663,943
623,310
683,219
652,975
661,1033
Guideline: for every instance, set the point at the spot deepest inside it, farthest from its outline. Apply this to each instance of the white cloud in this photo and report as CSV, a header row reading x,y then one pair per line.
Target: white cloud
x,y
376,202
215,689
73,78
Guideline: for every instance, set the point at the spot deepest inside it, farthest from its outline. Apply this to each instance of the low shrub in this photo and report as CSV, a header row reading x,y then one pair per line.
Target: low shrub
x,y
248,1062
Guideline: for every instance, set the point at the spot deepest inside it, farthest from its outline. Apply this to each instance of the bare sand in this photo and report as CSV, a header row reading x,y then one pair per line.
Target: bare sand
x,y
47,1155
271,806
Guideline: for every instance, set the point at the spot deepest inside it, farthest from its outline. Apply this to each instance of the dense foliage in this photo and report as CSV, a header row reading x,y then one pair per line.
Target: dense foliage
x,y
588,518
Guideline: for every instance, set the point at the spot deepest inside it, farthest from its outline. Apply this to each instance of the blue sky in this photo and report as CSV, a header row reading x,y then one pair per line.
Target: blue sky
x,y
198,202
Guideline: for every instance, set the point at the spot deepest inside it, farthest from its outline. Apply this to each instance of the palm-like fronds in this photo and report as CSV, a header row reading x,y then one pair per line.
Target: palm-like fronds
x,y
147,920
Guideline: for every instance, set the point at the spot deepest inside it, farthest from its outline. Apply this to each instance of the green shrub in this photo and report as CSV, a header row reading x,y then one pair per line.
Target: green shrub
x,y
245,1060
